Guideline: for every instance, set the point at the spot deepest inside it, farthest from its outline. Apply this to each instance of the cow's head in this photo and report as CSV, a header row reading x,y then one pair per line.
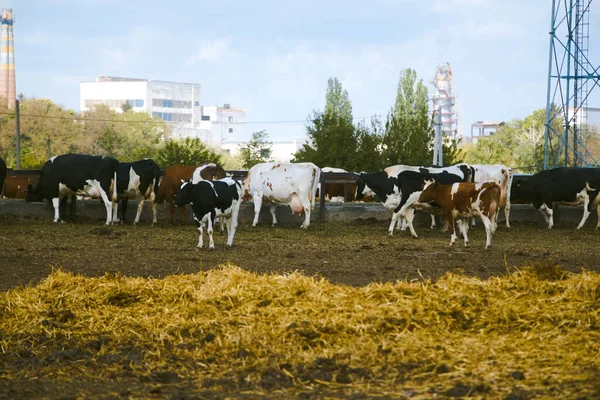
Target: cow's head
x,y
468,172
429,192
520,192
184,195
360,187
246,195
34,194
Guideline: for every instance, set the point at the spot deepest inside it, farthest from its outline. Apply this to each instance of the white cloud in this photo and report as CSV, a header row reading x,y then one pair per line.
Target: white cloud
x,y
210,50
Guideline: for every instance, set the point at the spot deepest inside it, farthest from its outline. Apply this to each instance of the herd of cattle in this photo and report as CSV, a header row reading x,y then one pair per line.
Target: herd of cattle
x,y
457,193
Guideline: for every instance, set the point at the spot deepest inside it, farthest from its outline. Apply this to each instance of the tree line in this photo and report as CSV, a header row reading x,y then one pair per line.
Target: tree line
x,y
404,136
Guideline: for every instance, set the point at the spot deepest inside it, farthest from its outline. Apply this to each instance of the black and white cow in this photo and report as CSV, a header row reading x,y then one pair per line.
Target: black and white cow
x,y
3,171
79,174
211,199
138,180
571,186
411,185
385,185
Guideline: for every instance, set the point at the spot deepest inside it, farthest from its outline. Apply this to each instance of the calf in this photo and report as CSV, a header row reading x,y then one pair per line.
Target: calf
x,y
502,175
411,184
460,201
210,199
138,180
15,187
171,181
79,174
564,185
294,184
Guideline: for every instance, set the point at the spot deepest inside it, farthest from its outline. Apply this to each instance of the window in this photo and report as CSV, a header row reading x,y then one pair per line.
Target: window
x,y
205,118
157,114
139,103
230,130
168,103
196,104
230,119
156,102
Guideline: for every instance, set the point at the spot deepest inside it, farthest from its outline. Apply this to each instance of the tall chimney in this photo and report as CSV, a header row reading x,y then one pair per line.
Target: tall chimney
x,y
8,91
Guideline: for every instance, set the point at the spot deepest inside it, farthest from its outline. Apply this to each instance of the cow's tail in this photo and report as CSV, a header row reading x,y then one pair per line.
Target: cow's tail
x,y
315,185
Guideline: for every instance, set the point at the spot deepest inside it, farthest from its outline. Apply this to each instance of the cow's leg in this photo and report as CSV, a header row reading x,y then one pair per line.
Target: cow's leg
x,y
488,230
172,212
306,222
410,216
433,224
445,227
550,213
463,226
56,205
211,242
110,205
257,206
543,210
233,222
153,205
450,221
140,206
395,219
507,212
586,211
472,222
598,213
123,210
272,210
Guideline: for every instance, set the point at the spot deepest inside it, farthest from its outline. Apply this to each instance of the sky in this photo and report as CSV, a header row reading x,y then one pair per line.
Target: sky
x,y
274,57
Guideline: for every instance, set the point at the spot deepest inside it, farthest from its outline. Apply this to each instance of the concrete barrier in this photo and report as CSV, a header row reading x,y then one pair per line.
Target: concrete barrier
x,y
334,212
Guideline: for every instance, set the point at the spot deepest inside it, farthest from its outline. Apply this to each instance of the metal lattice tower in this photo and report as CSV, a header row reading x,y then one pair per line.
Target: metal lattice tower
x,y
571,79
444,100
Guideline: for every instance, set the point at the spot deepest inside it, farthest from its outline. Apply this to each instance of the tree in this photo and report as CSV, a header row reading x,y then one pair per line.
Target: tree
x,y
337,103
333,140
257,150
126,106
187,152
408,137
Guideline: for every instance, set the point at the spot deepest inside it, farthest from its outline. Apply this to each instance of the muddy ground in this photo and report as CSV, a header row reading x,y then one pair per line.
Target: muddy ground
x,y
351,253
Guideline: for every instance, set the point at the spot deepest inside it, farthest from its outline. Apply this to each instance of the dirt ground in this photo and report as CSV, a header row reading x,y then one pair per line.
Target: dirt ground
x,y
352,253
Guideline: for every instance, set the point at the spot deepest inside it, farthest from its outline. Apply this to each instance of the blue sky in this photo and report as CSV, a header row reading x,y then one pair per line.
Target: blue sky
x,y
274,57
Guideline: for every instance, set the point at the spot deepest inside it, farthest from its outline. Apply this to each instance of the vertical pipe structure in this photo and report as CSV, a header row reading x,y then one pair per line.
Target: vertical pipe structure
x,y
569,72
7,59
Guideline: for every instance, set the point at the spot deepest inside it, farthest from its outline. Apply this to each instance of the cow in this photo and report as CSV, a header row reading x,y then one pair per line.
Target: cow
x,y
563,185
211,199
171,181
138,180
294,184
462,200
411,184
338,192
3,170
79,174
502,175
15,187
385,185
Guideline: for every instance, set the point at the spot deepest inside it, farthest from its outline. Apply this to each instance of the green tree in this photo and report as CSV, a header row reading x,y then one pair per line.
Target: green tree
x,y
126,106
408,137
187,152
333,140
337,103
257,150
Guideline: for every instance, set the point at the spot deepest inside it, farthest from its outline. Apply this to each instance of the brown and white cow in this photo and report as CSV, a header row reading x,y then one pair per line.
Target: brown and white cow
x,y
294,184
460,201
15,187
171,182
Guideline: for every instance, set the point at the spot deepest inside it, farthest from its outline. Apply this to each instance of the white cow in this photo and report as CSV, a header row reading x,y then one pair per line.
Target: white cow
x,y
294,184
497,173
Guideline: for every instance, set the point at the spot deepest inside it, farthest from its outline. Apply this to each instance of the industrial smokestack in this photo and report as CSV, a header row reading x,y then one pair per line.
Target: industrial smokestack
x,y
8,90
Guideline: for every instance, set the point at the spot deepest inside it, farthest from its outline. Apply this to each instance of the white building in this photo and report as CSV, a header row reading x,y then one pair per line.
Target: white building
x,y
178,104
